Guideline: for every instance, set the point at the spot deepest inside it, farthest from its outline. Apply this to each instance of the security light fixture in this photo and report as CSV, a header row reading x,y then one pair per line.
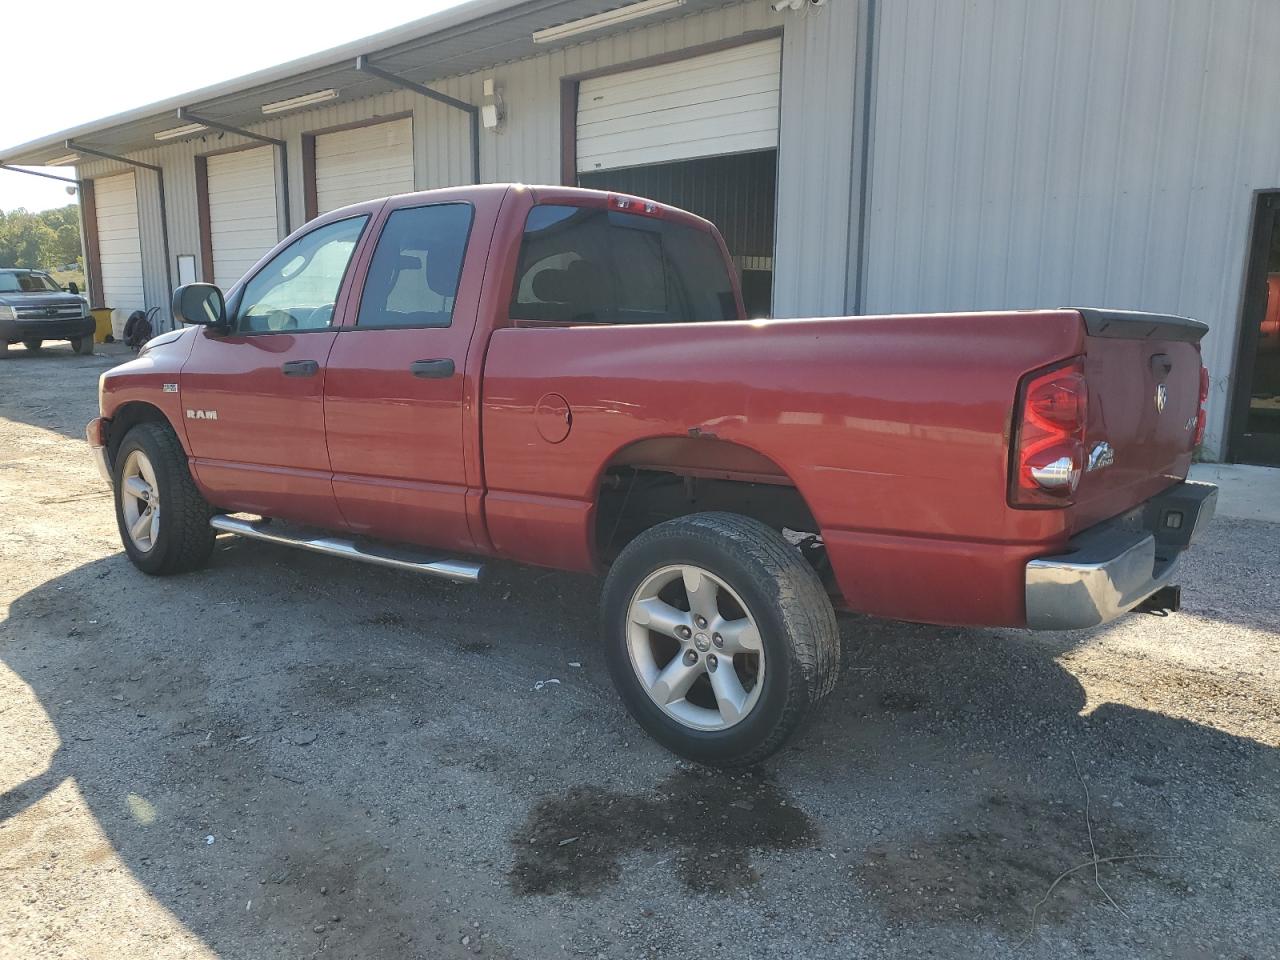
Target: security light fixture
x,y
607,19
306,100
186,130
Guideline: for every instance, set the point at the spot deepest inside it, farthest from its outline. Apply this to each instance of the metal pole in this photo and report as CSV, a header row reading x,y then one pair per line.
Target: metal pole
x,y
164,215
364,66
282,152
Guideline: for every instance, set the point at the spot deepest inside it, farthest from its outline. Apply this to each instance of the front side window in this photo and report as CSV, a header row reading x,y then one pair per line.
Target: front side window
x,y
589,265
413,277
298,288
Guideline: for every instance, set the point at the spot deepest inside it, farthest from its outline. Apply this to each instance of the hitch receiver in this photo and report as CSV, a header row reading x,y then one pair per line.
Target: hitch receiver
x,y
1164,601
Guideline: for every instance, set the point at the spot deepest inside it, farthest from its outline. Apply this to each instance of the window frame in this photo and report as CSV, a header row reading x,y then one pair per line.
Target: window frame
x,y
462,268
333,324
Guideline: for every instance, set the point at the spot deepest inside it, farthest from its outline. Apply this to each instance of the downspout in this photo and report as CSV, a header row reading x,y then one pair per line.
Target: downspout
x,y
164,213
855,272
471,110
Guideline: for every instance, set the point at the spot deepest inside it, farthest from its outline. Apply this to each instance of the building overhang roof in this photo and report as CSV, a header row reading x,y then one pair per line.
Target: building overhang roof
x,y
470,37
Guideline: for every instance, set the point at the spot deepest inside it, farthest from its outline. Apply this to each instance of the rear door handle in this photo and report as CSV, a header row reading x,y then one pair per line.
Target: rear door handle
x,y
432,369
300,368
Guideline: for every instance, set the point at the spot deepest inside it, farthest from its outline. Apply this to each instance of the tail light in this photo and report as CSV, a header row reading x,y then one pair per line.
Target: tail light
x,y
1201,415
1048,443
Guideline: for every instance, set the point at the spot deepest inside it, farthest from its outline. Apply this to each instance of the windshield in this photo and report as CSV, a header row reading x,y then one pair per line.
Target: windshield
x,y
27,283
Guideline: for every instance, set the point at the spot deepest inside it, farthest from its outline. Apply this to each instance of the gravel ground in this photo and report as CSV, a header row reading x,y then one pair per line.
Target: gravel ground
x,y
289,756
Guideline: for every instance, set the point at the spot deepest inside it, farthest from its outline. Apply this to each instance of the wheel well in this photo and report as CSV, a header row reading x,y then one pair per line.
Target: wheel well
x,y
657,480
126,418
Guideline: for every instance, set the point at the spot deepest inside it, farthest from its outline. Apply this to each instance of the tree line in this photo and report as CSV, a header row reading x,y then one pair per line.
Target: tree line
x,y
45,240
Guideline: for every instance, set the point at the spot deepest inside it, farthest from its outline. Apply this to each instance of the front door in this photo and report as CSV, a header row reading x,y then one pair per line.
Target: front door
x,y
396,383
1255,420
253,399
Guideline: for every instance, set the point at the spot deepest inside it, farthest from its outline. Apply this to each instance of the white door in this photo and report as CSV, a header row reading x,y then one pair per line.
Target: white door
x,y
115,202
715,104
242,211
364,163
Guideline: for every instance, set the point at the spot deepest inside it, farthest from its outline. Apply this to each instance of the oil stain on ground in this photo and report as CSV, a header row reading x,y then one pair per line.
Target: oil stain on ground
x,y
711,824
994,870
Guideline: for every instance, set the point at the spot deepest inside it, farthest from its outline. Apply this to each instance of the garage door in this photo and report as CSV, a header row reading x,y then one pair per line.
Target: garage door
x,y
115,201
363,163
242,211
719,103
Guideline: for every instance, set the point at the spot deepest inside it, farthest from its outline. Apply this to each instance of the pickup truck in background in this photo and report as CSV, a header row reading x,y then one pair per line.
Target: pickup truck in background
x,y
33,309
565,377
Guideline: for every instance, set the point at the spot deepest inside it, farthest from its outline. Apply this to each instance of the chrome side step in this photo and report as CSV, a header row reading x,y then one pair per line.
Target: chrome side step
x,y
458,571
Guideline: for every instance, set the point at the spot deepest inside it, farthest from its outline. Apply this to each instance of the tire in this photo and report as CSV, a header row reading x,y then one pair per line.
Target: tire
x,y
33,345
82,345
772,609
180,539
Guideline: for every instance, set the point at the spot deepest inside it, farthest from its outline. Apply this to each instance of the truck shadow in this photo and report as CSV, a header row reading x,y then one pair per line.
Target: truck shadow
x,y
349,737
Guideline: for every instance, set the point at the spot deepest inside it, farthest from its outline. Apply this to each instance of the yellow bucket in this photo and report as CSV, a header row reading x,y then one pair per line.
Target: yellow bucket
x,y
102,324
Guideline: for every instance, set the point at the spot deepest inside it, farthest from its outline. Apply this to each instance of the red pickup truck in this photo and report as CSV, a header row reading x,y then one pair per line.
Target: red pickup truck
x,y
565,377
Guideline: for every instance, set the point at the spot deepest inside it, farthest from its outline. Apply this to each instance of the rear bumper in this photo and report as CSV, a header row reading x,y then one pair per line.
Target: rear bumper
x,y
1111,568
94,436
15,331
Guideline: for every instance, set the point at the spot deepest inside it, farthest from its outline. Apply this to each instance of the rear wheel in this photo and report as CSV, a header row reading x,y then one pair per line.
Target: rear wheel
x,y
163,519
82,344
720,637
33,345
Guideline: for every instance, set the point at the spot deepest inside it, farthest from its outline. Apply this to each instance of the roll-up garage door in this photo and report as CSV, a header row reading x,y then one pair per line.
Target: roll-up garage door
x,y
715,104
115,202
363,163
242,211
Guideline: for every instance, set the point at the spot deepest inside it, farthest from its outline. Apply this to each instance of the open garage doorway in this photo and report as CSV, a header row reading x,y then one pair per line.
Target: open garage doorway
x,y
735,193
697,130
1255,419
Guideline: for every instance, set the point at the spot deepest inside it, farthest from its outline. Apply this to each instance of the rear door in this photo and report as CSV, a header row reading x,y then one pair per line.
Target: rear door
x,y
253,399
398,393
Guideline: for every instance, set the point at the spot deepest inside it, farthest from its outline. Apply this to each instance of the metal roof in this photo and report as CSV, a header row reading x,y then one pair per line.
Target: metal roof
x,y
472,36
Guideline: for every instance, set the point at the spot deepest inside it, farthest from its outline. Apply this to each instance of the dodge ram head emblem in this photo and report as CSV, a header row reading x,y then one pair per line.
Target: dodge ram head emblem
x,y
202,414
1162,397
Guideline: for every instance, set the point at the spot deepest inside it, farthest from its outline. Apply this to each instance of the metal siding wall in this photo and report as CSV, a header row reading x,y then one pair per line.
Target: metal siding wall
x,y
816,164
1046,152
817,116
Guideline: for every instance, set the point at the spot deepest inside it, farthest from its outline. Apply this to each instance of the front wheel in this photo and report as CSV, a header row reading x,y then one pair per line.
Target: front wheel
x,y
720,637
163,519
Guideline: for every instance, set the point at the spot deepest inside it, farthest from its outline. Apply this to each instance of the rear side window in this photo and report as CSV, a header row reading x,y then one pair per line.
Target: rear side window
x,y
589,265
413,277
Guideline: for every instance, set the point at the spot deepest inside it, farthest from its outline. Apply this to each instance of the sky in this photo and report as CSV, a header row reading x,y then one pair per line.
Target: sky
x,y
95,59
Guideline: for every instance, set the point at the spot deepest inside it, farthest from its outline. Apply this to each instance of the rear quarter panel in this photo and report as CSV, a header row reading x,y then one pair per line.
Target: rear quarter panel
x,y
894,429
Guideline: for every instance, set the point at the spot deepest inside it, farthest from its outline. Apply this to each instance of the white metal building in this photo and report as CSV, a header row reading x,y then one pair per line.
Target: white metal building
x,y
861,155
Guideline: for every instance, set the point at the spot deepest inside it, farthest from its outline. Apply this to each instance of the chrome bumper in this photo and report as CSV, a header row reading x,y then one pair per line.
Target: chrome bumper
x,y
93,436
1111,568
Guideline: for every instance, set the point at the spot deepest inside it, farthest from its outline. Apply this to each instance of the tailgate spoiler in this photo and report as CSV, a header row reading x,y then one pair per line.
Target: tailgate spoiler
x,y
1137,325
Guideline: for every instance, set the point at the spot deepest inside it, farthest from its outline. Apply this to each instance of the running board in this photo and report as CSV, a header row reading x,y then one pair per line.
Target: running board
x,y
458,571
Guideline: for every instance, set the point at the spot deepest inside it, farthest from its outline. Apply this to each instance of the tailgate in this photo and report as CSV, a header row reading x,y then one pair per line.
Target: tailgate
x,y
1143,374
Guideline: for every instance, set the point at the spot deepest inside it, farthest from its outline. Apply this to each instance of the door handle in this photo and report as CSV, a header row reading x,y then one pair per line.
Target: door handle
x,y
432,369
300,368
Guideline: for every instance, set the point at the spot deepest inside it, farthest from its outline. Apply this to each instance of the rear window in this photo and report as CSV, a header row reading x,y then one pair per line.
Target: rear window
x,y
589,265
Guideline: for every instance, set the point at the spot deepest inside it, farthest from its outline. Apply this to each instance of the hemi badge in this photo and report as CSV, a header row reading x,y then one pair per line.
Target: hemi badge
x,y
170,388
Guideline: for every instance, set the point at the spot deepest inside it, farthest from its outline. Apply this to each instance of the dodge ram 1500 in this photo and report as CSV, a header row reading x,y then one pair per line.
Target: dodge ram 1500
x,y
565,377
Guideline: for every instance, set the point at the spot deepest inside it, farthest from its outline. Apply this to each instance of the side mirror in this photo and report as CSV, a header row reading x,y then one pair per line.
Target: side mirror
x,y
200,304
73,287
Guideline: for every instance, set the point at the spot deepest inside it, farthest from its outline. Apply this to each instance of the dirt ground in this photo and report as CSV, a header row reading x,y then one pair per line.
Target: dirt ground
x,y
290,756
